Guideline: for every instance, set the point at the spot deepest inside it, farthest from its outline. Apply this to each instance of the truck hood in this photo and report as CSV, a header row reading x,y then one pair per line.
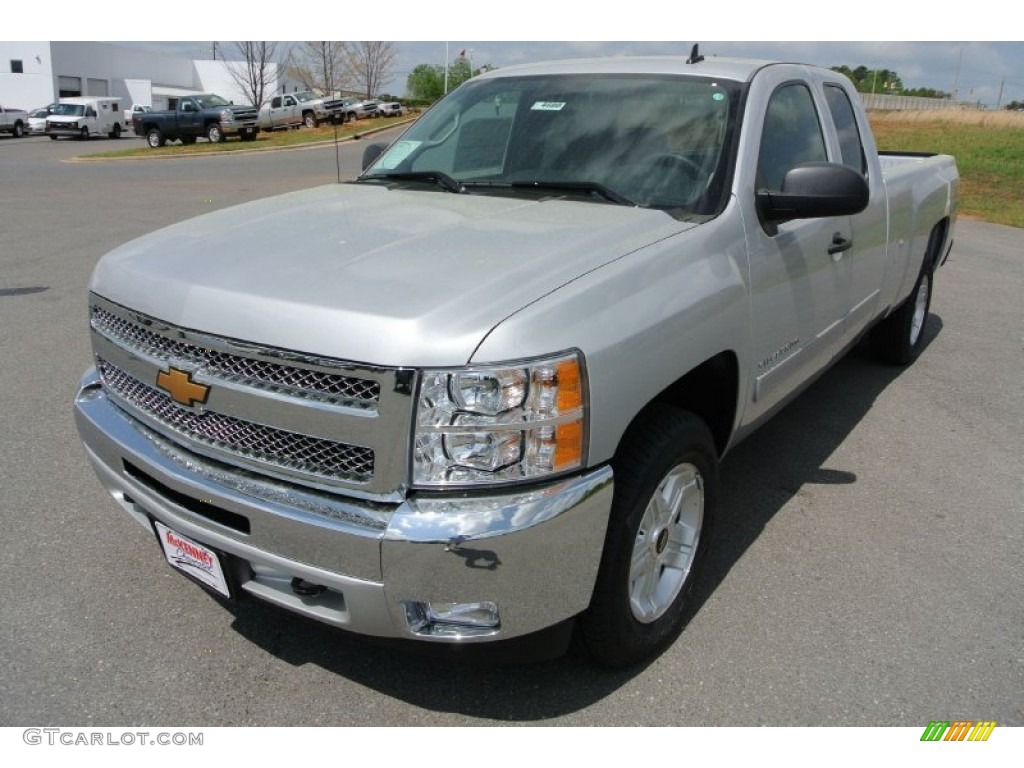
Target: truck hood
x,y
392,277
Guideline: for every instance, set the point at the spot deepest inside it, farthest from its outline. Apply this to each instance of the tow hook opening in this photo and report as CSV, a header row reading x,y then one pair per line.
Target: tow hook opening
x,y
304,588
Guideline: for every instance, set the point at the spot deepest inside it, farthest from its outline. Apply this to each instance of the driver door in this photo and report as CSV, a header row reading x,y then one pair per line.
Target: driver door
x,y
800,280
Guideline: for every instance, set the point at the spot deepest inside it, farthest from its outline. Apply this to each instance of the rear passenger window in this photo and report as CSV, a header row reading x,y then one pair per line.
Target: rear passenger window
x,y
791,136
846,126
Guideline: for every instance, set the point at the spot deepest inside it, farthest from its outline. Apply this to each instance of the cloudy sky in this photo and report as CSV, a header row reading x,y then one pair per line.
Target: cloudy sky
x,y
978,67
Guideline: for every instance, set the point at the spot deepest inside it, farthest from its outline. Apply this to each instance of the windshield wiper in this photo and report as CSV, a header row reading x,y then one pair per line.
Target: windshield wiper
x,y
592,187
440,178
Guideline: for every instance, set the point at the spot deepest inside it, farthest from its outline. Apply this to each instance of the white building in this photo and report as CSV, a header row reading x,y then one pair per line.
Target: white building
x,y
34,74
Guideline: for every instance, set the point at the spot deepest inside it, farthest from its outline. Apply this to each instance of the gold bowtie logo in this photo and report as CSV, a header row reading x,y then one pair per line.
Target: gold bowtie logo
x,y
181,387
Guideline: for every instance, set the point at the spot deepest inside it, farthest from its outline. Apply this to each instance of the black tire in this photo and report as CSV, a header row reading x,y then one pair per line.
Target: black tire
x,y
19,130
83,135
310,121
352,116
52,137
648,569
214,133
116,133
899,339
188,140
155,138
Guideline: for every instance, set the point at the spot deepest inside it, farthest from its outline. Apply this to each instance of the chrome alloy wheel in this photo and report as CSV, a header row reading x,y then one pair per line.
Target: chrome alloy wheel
x,y
920,310
666,543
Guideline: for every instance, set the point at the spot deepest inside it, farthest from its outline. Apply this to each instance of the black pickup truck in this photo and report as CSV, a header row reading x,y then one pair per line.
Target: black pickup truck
x,y
193,116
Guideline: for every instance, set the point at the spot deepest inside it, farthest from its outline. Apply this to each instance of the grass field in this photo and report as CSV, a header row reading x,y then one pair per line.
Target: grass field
x,y
989,151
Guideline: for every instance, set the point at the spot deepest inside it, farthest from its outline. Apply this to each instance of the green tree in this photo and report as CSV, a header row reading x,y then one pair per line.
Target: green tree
x,y
1015,106
884,81
426,82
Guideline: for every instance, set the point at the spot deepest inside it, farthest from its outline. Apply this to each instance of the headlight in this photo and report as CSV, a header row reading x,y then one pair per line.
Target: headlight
x,y
227,115
499,424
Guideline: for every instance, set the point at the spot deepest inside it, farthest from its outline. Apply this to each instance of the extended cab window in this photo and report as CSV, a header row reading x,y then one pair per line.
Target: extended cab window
x,y
850,145
791,136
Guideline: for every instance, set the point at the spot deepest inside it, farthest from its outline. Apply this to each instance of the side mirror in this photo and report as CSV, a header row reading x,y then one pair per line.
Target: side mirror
x,y
371,153
815,190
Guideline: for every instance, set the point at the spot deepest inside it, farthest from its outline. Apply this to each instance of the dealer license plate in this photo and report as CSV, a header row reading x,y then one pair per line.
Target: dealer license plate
x,y
192,559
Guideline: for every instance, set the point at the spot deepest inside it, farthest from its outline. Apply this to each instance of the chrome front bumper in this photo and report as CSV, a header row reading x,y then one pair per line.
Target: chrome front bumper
x,y
234,128
532,553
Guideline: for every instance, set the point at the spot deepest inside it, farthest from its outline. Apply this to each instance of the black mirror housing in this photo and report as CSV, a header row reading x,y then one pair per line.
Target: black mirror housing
x,y
371,153
815,190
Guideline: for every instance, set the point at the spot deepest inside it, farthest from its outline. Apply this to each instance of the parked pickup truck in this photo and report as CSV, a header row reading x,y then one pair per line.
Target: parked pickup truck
x,y
359,109
484,389
301,108
203,115
13,121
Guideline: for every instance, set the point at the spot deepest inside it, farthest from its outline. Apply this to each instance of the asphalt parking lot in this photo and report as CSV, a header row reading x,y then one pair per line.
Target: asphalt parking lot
x,y
867,569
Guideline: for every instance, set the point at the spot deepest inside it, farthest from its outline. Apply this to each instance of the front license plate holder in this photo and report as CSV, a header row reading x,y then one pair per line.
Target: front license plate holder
x,y
197,561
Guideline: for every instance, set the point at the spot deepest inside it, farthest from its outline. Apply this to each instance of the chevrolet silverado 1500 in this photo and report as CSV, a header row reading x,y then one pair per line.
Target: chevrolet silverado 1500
x,y
13,121
484,389
205,115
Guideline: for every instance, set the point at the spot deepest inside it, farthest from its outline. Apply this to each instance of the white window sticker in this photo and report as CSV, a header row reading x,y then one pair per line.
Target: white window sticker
x,y
548,106
397,153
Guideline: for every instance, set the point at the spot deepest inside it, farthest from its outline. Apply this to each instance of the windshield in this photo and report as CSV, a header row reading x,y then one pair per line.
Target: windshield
x,y
305,96
654,141
69,110
208,102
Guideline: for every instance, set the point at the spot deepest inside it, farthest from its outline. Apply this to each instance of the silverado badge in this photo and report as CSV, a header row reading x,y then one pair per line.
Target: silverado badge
x,y
183,390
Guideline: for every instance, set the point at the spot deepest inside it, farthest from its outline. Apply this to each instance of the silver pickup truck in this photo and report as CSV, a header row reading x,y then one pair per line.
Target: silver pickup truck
x,y
13,121
487,390
302,108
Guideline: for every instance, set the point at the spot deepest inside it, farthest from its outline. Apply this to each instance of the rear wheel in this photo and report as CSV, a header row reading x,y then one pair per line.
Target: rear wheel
x,y
666,489
19,130
899,338
116,133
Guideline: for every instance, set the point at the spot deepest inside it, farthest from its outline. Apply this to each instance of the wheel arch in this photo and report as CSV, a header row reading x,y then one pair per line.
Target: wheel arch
x,y
710,391
938,242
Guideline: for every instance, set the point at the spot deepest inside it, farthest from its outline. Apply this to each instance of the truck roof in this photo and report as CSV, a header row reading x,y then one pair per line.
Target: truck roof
x,y
739,70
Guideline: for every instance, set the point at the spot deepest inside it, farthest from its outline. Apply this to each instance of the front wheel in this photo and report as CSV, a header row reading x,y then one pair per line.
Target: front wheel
x,y
155,138
310,120
214,133
666,489
83,134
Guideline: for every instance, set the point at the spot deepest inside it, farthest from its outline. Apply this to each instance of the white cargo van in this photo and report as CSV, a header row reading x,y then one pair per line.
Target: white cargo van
x,y
85,116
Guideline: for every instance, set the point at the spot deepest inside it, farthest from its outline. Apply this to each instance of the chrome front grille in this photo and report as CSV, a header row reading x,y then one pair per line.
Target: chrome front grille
x,y
280,448
307,383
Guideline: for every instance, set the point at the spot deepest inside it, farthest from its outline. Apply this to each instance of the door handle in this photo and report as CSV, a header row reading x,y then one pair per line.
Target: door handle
x,y
839,244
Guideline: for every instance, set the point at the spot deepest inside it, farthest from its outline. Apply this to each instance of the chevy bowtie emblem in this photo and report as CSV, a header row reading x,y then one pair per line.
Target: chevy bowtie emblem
x,y
181,387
